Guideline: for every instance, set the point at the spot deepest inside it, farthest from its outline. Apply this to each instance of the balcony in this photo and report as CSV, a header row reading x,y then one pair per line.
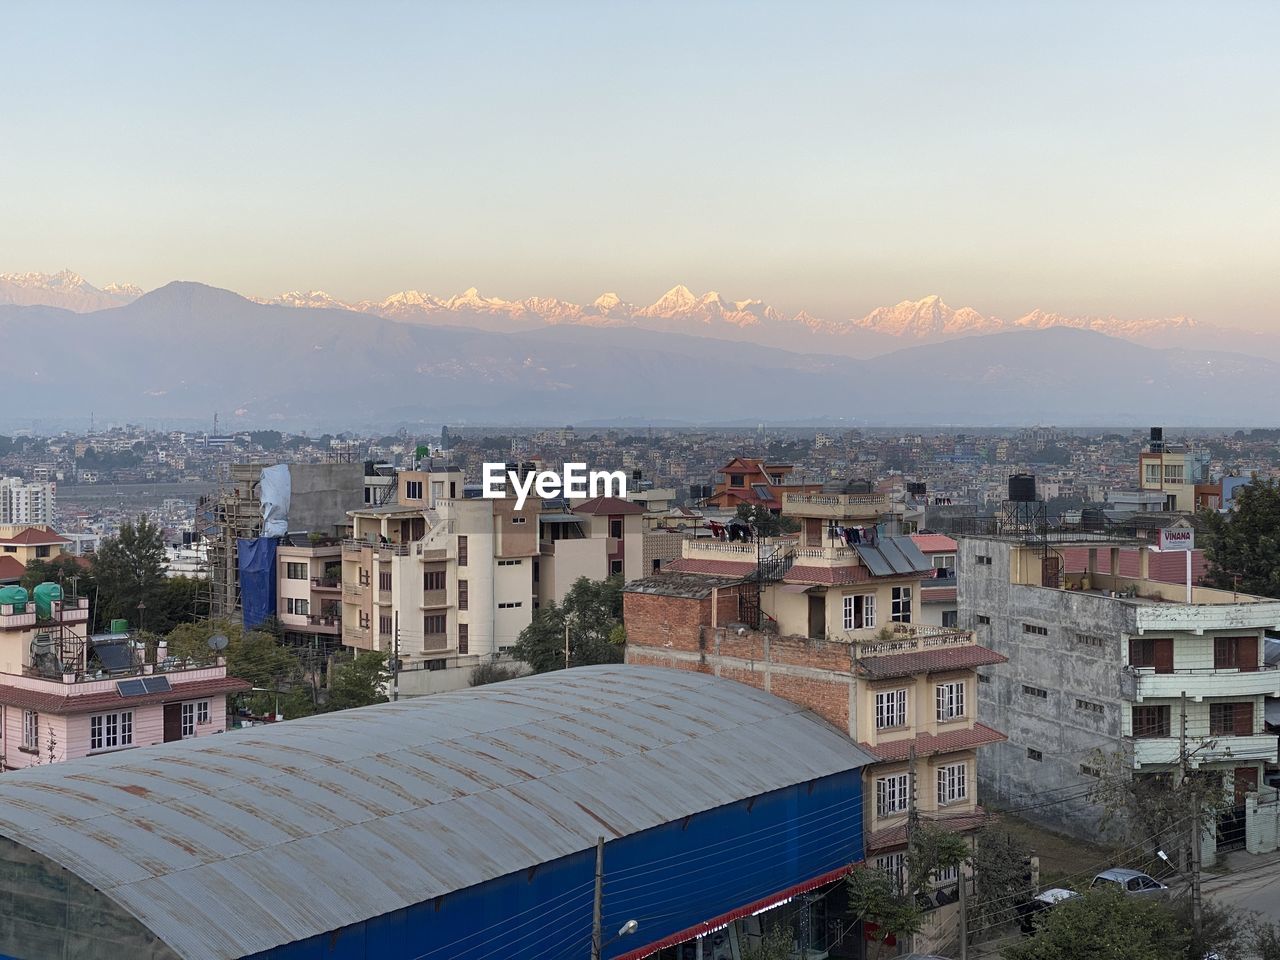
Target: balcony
x,y
354,592
835,506
434,598
326,583
320,623
1198,684
916,637
354,636
836,554
76,682
1164,750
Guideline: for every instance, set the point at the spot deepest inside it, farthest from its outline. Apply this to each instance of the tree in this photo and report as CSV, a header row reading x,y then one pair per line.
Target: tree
x,y
592,611
253,656
1103,924
129,569
358,682
1000,865
492,673
1242,547
59,569
774,945
765,522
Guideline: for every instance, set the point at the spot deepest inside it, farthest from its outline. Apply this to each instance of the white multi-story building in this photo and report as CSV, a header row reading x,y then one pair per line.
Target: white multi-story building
x,y
23,501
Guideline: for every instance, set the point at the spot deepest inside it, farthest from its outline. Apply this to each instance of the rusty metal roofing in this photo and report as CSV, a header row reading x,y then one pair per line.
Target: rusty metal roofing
x,y
229,845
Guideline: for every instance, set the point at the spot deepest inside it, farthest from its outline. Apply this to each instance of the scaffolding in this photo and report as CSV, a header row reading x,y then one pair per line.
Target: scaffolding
x,y
233,512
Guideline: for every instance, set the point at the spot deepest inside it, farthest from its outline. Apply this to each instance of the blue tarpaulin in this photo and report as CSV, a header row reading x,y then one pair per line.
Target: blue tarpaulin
x,y
257,580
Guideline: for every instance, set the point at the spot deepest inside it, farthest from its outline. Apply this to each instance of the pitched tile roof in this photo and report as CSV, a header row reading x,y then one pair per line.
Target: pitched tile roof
x,y
897,836
928,744
11,568
608,506
800,573
62,704
724,568
33,537
938,594
934,542
932,660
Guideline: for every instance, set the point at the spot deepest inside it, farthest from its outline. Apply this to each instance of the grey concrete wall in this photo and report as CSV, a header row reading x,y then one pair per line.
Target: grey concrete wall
x,y
322,493
1058,663
48,913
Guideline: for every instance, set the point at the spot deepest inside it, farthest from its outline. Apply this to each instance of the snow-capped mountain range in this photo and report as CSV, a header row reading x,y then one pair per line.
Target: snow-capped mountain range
x,y
679,310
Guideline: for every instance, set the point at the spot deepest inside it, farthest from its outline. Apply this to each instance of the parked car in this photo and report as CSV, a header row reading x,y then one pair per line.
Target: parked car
x,y
1135,883
1045,900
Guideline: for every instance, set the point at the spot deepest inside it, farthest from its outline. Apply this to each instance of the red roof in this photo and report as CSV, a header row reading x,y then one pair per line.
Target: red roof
x,y
11,568
827,575
934,660
897,836
62,704
927,744
938,594
726,568
608,506
33,537
934,542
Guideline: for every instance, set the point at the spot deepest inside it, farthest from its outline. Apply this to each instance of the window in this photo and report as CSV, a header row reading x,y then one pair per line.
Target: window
x,y
946,876
110,730
891,709
615,568
364,620
295,571
508,563
859,611
983,560
1090,707
1152,652
983,620
944,564
984,678
1151,721
895,865
517,519
1090,640
30,731
775,479
462,551
42,551
297,606
437,665
1152,472
202,712
900,610
950,700
1035,692
1035,755
384,580
891,795
1230,719
364,577
950,618
1037,630
433,624
1089,771
737,480
463,638
510,605
189,719
615,527
1235,653
952,783
433,580
463,595
384,625
413,489
1173,473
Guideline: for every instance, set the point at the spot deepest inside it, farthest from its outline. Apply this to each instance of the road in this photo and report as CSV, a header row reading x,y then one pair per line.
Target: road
x,y
1253,886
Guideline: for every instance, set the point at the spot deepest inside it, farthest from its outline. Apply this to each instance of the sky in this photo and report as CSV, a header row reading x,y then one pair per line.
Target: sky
x,y
1087,158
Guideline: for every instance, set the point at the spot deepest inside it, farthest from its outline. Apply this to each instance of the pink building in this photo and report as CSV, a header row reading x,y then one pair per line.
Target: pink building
x,y
64,694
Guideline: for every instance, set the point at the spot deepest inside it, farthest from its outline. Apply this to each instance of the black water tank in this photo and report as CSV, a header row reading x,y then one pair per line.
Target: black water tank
x,y
1022,488
916,489
1157,434
1093,518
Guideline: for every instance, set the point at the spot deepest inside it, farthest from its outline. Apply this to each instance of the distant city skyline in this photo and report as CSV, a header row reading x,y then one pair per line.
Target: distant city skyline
x,y
1083,158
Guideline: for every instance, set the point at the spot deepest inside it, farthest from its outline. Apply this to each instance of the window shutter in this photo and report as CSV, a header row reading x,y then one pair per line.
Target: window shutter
x,y
941,696
942,784
959,699
882,796
901,717
1163,655
1244,719
962,790
1247,653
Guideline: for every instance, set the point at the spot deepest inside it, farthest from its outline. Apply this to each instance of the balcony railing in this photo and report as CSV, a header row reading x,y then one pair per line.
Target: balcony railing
x,y
876,500
1200,683
320,620
1165,750
827,553
913,637
326,583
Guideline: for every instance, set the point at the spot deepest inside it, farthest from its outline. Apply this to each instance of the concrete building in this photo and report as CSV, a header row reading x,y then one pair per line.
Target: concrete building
x,y
446,580
754,482
23,501
309,592
1101,662
938,589
907,695
597,539
464,826
1179,473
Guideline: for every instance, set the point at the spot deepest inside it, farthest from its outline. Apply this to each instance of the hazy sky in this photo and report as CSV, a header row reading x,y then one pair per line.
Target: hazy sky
x,y
1105,158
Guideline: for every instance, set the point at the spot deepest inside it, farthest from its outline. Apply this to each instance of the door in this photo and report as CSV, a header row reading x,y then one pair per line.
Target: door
x,y
172,722
1246,782
817,617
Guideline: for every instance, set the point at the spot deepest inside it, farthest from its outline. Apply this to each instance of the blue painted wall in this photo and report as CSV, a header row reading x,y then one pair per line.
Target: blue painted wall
x,y
669,878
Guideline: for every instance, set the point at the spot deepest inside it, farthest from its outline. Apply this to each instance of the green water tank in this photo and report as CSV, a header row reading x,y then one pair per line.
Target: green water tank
x,y
119,626
15,595
45,595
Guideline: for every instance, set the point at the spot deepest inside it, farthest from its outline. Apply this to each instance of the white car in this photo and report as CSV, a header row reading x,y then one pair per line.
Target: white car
x,y
1134,883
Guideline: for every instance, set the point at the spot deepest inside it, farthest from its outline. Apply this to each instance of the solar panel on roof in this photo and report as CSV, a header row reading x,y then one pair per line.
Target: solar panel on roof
x,y
131,688
893,556
113,656
874,561
914,556
156,684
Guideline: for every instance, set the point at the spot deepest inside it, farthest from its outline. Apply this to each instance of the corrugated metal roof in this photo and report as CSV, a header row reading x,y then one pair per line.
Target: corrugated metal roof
x,y
229,845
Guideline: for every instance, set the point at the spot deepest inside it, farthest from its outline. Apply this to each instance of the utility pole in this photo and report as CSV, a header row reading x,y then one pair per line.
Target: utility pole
x,y
395,659
597,936
566,643
964,914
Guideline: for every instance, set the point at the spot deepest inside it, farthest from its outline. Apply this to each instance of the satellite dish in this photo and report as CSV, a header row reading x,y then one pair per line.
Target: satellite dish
x,y
217,642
